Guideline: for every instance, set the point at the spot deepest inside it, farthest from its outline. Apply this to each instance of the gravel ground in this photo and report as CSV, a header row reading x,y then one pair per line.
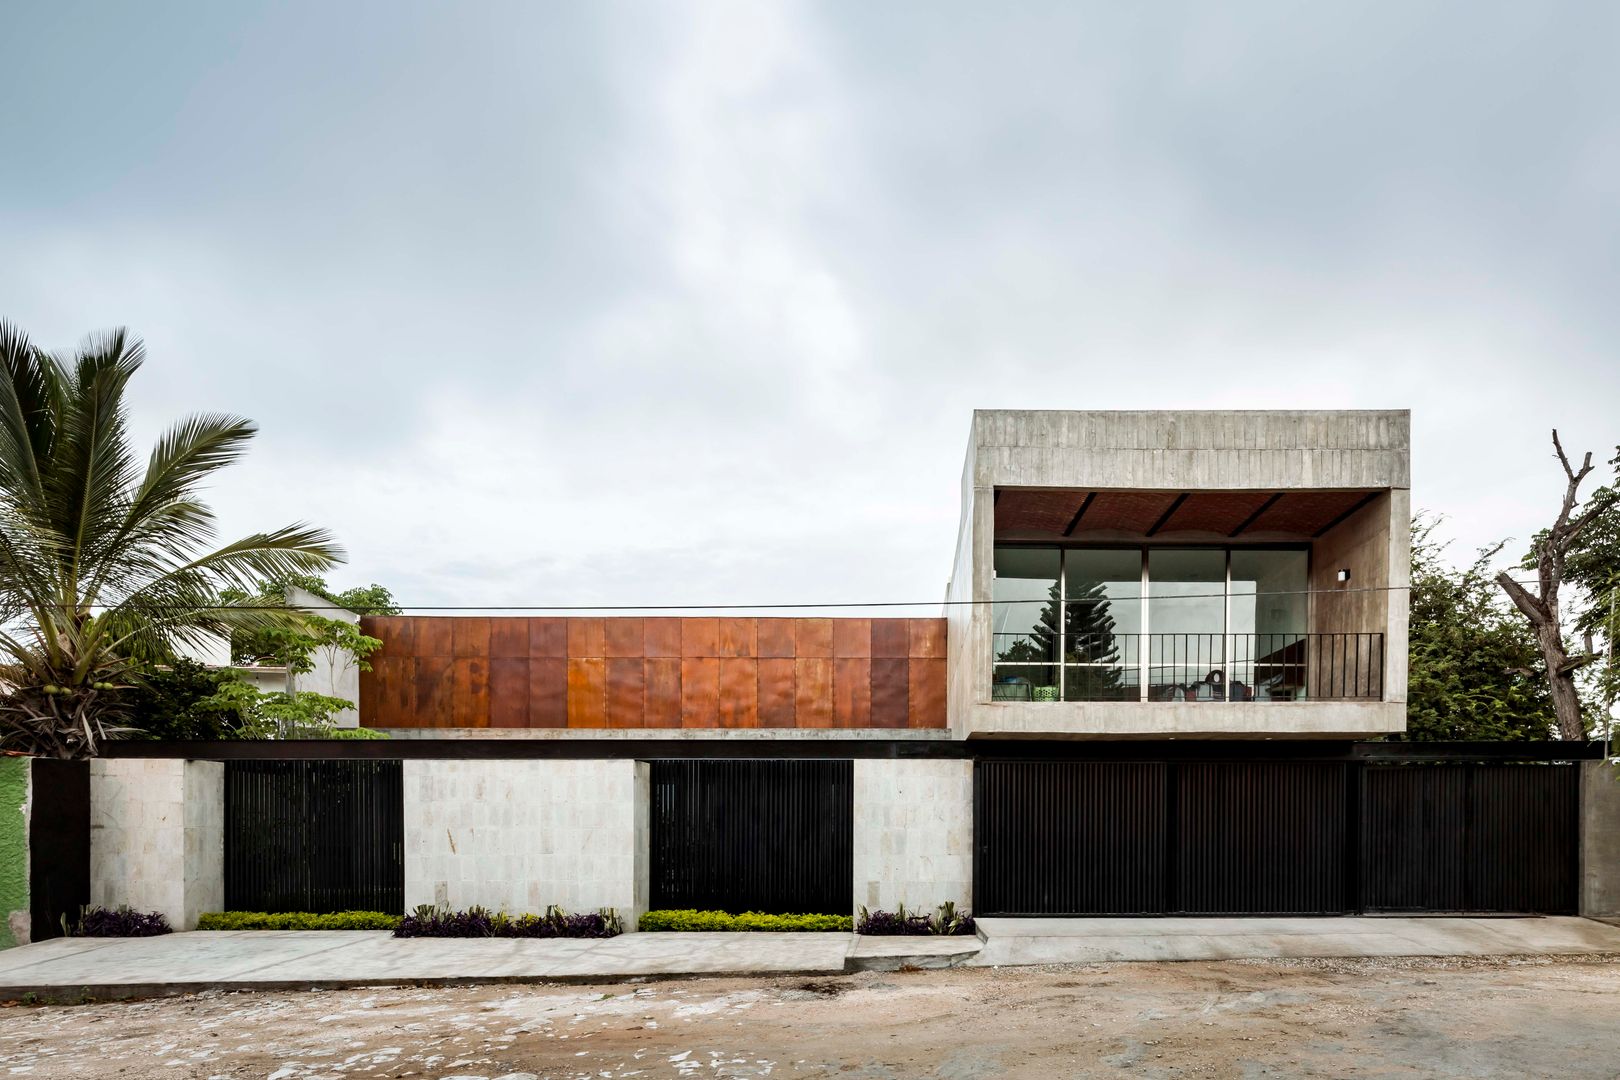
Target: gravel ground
x,y
1533,1016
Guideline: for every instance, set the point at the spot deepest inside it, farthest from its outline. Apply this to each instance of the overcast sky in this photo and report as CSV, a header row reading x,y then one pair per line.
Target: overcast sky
x,y
566,304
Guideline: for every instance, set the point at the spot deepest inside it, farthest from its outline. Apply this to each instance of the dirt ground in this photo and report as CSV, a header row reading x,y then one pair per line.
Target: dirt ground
x,y
1384,1018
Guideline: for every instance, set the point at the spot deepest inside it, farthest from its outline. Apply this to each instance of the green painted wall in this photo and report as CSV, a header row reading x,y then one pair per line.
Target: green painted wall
x,y
13,844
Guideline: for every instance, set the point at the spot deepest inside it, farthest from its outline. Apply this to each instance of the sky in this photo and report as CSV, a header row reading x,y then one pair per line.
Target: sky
x,y
683,304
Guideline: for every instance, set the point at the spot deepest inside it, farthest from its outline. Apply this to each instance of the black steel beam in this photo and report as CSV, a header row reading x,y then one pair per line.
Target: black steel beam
x,y
1252,518
1357,505
1085,504
799,748
1168,514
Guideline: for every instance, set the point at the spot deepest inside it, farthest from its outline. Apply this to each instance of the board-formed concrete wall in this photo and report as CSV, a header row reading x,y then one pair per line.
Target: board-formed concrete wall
x,y
519,835
157,836
913,840
1600,838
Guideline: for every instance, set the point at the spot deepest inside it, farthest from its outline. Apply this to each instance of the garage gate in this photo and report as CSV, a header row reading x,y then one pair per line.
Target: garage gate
x,y
1274,837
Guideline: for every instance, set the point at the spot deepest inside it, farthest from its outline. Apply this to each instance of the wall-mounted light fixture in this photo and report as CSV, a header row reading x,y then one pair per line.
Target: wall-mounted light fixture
x,y
1344,575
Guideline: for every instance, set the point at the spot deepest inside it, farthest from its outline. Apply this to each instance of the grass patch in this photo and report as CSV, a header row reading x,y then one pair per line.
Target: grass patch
x,y
747,921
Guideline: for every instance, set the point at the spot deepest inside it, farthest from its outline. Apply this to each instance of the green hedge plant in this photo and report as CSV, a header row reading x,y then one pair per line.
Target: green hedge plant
x,y
748,920
296,920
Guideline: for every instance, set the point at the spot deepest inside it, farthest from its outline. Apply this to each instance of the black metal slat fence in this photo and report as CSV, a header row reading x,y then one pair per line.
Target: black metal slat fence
x,y
1252,838
314,836
770,836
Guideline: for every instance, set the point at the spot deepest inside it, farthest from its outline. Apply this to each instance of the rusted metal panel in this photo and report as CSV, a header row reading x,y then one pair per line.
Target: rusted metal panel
x,y
927,637
891,692
435,689
852,638
434,636
626,689
587,692
813,691
759,685
548,692
700,692
396,632
925,705
891,638
663,636
470,637
775,638
776,702
852,692
624,637
548,637
509,689
509,638
585,639
739,692
813,638
388,692
700,637
470,702
737,637
663,679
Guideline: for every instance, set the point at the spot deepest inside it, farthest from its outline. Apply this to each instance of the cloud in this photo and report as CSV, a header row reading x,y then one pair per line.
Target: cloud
x,y
651,304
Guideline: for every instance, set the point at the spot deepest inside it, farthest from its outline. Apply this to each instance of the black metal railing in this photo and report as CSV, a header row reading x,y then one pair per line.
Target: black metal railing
x,y
1188,667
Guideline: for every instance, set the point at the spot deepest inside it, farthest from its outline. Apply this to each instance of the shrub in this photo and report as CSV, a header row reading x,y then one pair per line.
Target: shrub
x,y
901,922
122,922
430,921
748,920
296,920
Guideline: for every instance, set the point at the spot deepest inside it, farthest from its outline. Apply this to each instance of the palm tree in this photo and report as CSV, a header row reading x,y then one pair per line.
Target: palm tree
x,y
104,565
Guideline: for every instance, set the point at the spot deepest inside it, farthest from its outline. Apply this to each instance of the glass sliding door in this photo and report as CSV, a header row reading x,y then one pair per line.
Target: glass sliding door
x,y
1102,629
1160,624
1024,625
1186,589
1270,616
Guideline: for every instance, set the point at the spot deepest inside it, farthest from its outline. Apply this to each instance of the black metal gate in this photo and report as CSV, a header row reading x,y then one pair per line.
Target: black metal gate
x,y
769,836
314,836
1273,837
1470,837
58,845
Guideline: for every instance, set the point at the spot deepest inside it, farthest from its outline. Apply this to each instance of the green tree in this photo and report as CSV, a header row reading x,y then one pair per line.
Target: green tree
x,y
1592,566
293,645
106,563
1476,671
1089,627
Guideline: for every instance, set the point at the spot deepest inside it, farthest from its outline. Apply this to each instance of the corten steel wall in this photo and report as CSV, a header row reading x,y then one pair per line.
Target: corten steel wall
x,y
595,673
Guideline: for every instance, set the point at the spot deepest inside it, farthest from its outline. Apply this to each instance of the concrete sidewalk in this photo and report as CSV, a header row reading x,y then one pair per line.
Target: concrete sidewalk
x,y
1080,941
275,959
99,968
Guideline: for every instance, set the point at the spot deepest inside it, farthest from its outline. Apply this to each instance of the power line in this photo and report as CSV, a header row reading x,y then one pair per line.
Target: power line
x,y
796,606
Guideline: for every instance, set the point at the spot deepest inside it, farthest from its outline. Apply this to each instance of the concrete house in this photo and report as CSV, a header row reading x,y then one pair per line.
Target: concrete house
x,y
1169,648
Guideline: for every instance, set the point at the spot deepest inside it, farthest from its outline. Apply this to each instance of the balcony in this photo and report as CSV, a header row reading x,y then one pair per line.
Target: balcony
x,y
1188,667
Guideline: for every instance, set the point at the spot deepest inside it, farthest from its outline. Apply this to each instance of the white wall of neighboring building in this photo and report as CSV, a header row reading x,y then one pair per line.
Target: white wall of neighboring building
x,y
335,674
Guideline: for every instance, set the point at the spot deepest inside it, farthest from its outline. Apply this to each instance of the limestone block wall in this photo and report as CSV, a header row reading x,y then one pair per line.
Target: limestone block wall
x,y
157,836
519,835
913,840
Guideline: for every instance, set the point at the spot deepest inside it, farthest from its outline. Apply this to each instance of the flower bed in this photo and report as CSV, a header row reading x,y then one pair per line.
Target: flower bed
x,y
429,921
903,923
119,922
296,920
747,921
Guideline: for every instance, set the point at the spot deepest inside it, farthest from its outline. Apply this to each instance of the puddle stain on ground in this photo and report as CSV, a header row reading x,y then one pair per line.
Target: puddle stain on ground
x,y
1199,1019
